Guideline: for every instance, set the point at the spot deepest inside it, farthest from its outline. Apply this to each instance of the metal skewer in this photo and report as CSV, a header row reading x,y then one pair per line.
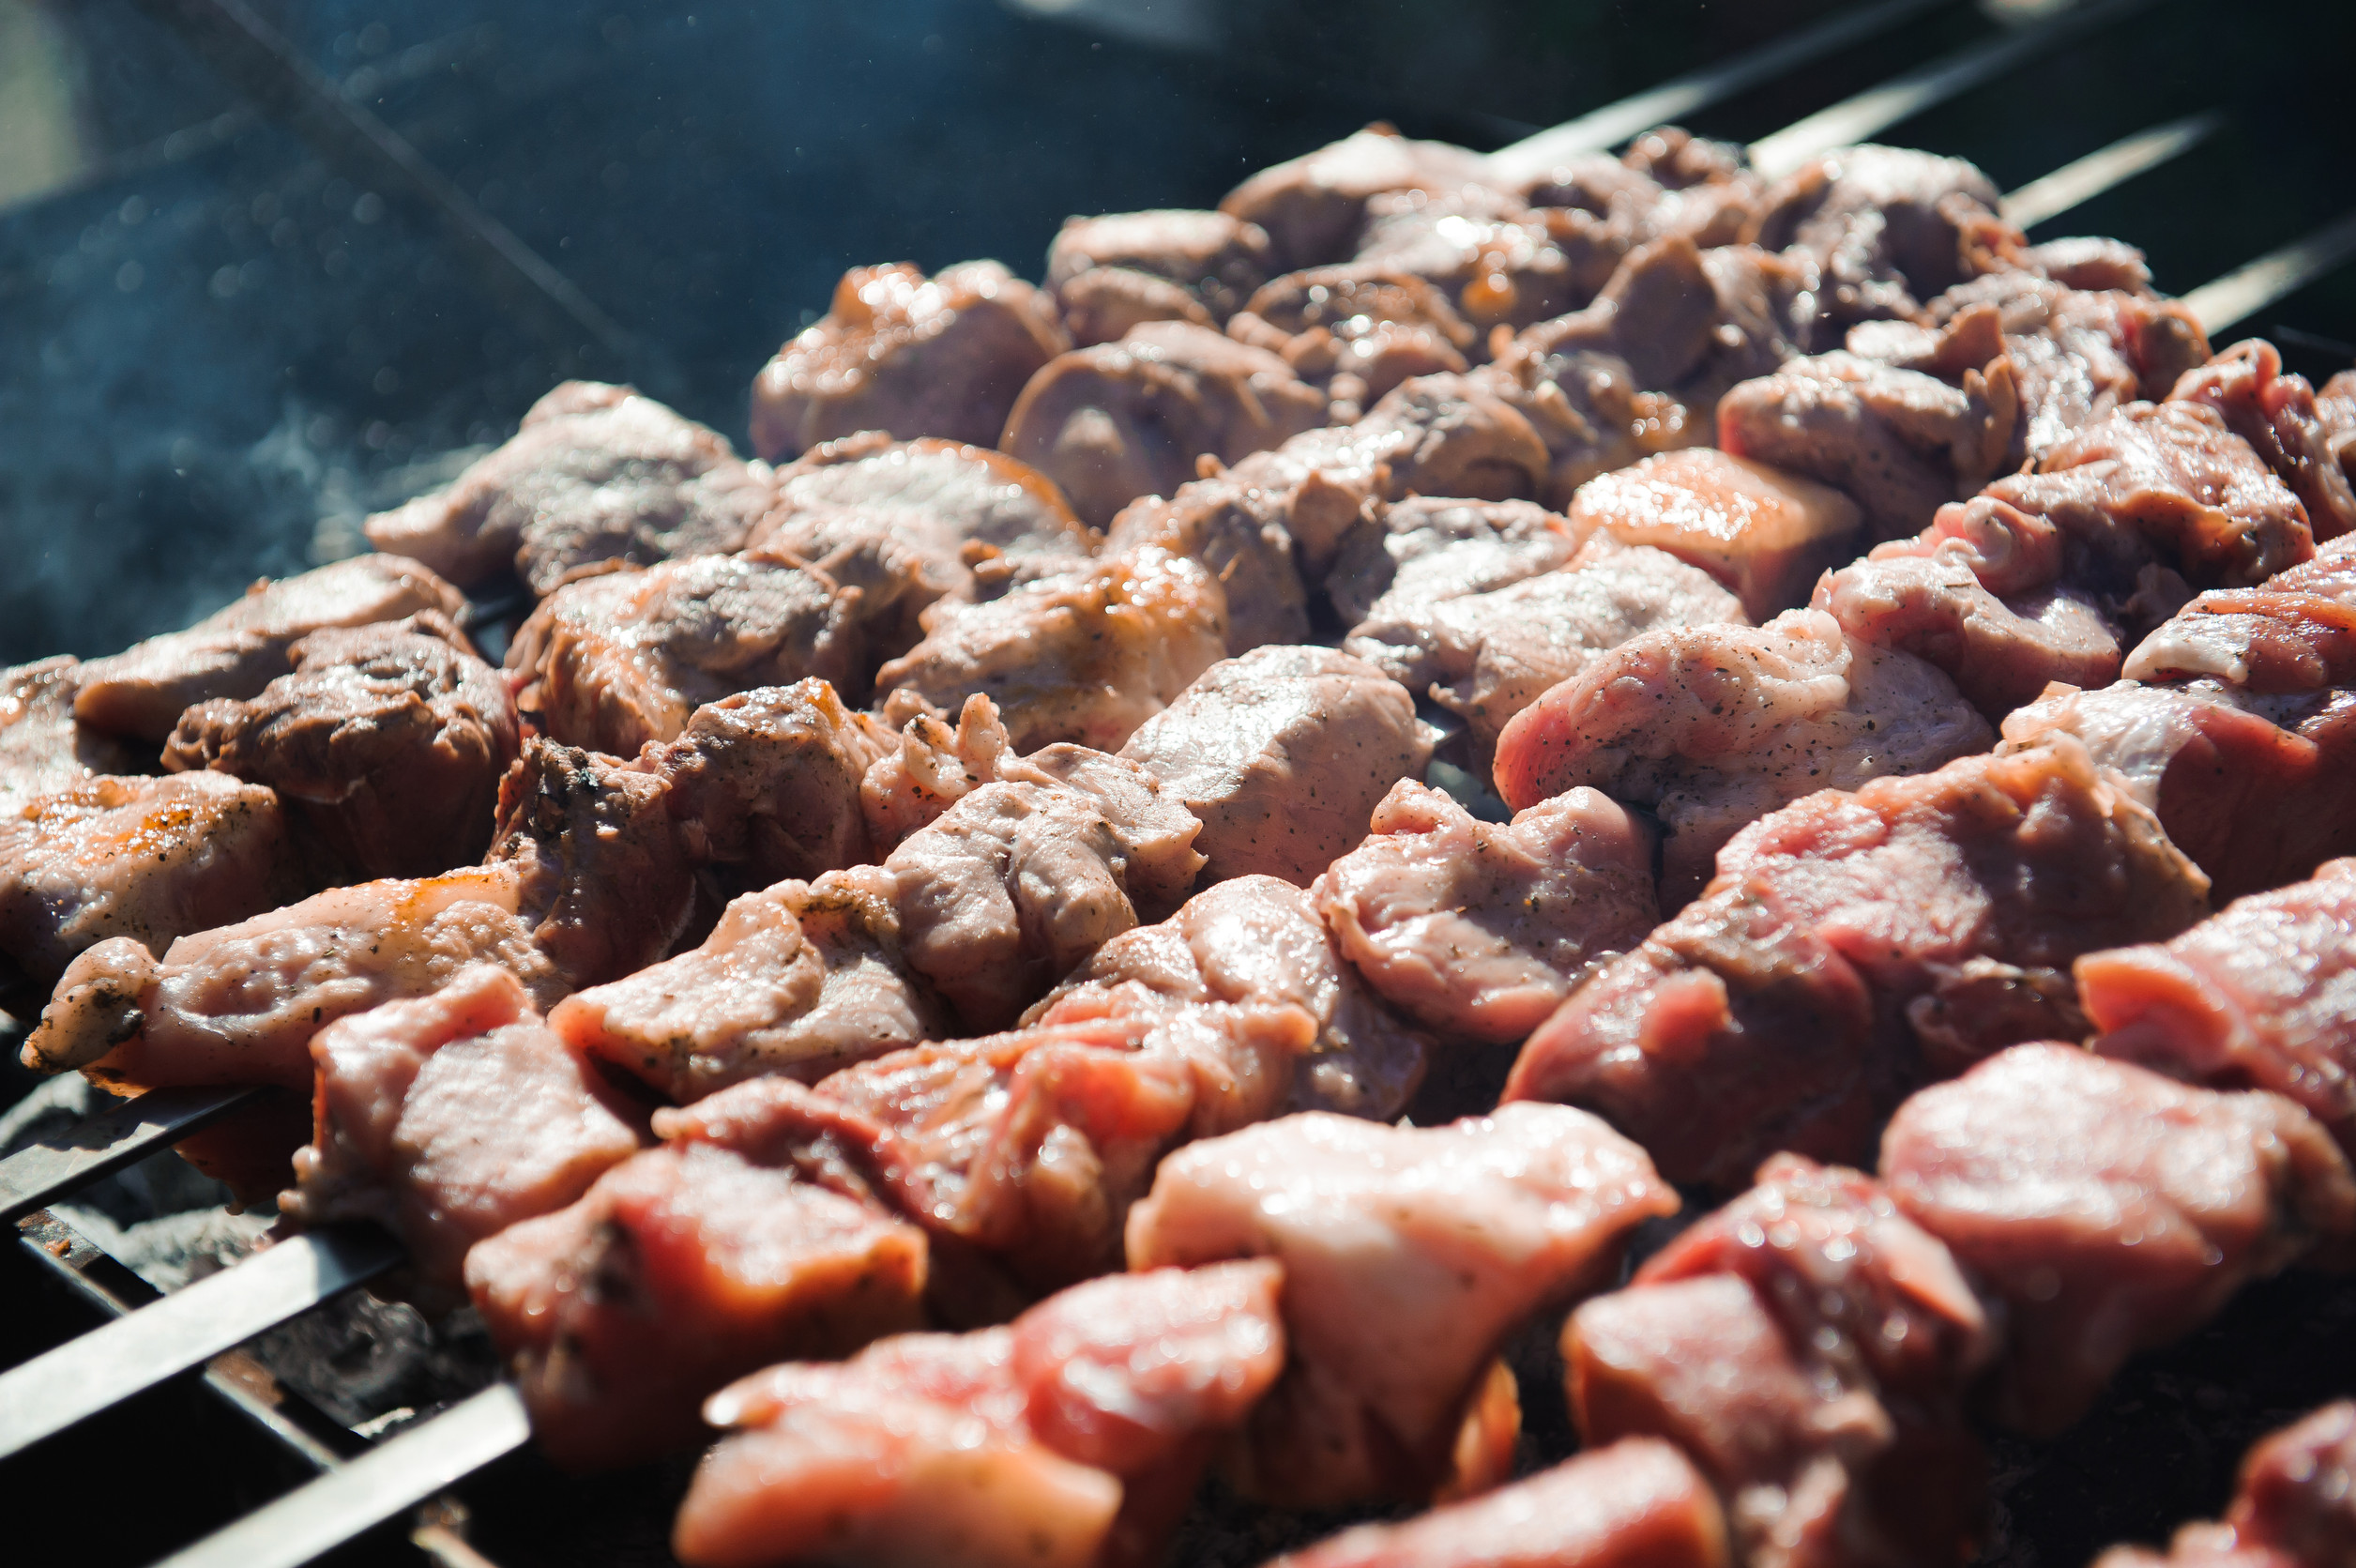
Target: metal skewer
x,y
2241,294
34,1178
2080,181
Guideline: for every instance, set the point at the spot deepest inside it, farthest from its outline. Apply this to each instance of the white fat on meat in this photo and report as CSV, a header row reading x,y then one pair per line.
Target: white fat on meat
x,y
1478,929
1409,1255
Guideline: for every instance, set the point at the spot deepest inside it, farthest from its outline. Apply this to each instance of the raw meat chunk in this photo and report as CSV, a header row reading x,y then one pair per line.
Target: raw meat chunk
x,y
1074,1436
1357,330
386,741
1887,227
147,860
1217,259
1313,208
2262,994
2111,1208
909,356
1415,553
1086,655
449,1117
43,750
1853,945
1712,727
1282,754
235,652
1409,1255
1765,534
1124,420
2276,415
595,474
797,981
1634,1504
615,660
1479,930
740,1239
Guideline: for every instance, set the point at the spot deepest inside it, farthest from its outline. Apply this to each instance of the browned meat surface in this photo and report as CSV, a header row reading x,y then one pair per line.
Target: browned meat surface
x,y
1257,940
1313,208
449,1117
1887,227
1668,182
1901,443
909,356
1854,945
595,473
1217,258
1357,330
794,981
744,1238
2295,1507
1409,1255
2262,994
1763,533
2276,414
147,860
1282,754
1634,1504
1501,262
616,660
1488,656
1085,655
765,786
1478,929
43,750
2110,1208
1104,304
1124,420
235,653
1399,558
1074,1436
386,743
1808,1346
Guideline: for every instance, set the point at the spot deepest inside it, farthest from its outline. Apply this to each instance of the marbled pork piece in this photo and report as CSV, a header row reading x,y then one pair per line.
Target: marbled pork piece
x,y
617,660
1488,656
2262,994
1018,882
1313,208
449,1117
1357,330
797,981
909,356
595,473
139,860
1409,1255
1119,420
747,1236
1217,258
1282,754
1478,929
1256,939
1854,945
386,743
1073,1437
43,750
1763,533
2276,414
1636,1504
1712,727
2110,1208
1809,1347
1086,655
2294,1508
1402,556
238,650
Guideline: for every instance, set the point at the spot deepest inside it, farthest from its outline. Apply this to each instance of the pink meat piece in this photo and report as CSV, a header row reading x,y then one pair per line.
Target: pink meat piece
x,y
2276,414
2111,1208
1854,945
1763,533
1071,1438
1409,1253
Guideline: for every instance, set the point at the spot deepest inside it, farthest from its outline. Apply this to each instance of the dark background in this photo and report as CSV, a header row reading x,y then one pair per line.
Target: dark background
x,y
222,345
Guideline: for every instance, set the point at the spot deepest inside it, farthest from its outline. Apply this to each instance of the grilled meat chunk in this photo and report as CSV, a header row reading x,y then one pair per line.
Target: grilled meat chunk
x,y
1314,207
2276,414
1409,1253
237,652
909,356
1500,261
1104,304
595,474
1217,258
1854,945
1280,755
43,749
1765,534
1356,330
1478,929
386,741
1074,1436
1887,227
1401,557
449,1117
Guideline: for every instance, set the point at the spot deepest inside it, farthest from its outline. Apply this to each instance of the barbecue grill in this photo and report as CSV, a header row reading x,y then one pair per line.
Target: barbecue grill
x,y
249,1417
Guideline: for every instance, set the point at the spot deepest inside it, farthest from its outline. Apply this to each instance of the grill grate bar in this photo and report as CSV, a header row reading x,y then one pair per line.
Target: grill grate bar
x,y
34,1178
2241,294
2077,183
1868,114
